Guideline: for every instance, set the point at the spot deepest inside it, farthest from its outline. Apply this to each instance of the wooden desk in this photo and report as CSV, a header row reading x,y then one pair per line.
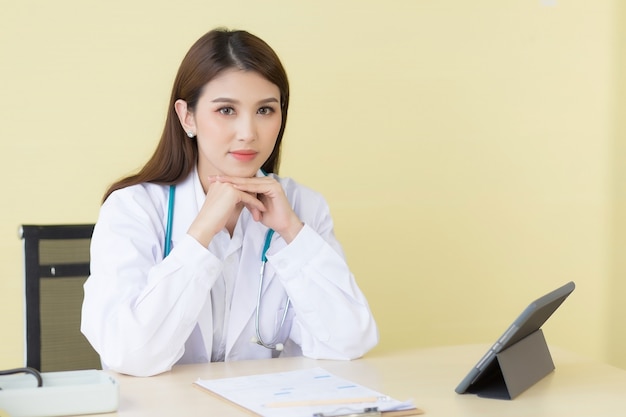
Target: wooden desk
x,y
578,387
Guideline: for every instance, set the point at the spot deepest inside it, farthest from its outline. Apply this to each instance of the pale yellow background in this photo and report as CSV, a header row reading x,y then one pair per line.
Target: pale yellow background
x,y
472,152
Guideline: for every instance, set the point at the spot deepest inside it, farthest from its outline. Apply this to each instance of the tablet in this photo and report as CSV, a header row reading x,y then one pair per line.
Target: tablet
x,y
531,320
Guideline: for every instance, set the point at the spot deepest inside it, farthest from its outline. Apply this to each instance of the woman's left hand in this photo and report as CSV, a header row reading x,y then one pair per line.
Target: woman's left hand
x,y
278,214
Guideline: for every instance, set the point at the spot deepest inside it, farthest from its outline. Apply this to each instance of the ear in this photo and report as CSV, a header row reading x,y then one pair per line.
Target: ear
x,y
186,117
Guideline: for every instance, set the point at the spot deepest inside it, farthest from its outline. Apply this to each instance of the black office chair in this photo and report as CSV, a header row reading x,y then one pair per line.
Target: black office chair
x,y
56,267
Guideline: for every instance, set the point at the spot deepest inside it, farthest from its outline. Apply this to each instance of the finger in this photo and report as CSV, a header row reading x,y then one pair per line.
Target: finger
x,y
241,181
259,187
213,179
252,203
256,214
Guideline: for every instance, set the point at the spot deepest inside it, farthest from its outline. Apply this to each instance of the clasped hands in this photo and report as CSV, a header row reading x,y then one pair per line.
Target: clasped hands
x,y
264,197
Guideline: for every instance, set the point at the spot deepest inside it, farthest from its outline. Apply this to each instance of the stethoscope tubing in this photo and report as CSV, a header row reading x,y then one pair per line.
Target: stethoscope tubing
x,y
274,343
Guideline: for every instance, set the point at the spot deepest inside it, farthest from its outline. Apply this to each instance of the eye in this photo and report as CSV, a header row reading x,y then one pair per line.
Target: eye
x,y
226,111
266,110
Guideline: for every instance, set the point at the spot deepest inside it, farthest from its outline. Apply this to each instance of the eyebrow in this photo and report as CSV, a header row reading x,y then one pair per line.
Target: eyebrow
x,y
234,101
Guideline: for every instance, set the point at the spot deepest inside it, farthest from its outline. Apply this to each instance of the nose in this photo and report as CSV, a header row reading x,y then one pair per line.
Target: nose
x,y
246,128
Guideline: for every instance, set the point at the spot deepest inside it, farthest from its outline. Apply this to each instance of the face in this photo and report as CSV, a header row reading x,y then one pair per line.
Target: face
x,y
236,122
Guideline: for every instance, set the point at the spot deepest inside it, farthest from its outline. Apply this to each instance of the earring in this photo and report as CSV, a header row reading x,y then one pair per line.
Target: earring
x,y
190,134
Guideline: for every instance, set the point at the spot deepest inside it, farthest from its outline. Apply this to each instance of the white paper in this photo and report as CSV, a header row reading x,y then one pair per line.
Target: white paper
x,y
277,394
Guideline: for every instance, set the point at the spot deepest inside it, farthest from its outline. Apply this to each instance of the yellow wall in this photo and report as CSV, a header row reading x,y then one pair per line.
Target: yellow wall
x,y
471,152
616,340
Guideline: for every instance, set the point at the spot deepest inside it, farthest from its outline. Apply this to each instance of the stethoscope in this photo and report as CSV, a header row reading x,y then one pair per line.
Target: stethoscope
x,y
258,339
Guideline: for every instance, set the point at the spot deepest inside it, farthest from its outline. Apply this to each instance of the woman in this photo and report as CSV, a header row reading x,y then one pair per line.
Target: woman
x,y
176,251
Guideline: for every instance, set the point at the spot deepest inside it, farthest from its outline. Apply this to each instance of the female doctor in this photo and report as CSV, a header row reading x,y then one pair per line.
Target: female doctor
x,y
206,254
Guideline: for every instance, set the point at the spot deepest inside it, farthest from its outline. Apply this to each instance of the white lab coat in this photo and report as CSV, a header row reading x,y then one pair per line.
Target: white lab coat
x,y
143,313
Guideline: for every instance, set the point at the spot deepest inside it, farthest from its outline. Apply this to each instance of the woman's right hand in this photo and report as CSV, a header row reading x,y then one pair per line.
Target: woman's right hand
x,y
222,204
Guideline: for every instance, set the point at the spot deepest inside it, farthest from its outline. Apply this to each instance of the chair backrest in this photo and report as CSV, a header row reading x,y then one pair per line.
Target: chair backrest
x,y
56,265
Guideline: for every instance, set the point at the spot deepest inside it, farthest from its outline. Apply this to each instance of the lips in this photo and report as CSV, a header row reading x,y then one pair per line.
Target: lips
x,y
244,155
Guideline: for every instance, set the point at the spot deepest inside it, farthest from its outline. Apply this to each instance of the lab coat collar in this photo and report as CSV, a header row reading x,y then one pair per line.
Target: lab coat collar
x,y
246,286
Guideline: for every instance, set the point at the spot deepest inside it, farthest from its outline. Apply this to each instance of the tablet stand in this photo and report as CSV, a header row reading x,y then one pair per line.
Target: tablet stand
x,y
516,369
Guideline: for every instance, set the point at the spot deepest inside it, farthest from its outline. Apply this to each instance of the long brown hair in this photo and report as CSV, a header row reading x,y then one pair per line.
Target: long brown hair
x,y
218,50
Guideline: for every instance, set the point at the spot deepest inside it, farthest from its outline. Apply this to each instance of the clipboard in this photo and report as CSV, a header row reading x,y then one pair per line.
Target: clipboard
x,y
308,393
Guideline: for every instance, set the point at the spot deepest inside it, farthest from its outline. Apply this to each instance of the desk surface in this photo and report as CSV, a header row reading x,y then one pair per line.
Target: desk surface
x,y
578,386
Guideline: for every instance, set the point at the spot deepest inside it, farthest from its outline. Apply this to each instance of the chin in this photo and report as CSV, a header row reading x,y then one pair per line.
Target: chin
x,y
242,173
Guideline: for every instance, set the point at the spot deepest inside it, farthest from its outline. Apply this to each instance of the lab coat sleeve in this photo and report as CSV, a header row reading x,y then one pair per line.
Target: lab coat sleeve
x,y
139,309
332,317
